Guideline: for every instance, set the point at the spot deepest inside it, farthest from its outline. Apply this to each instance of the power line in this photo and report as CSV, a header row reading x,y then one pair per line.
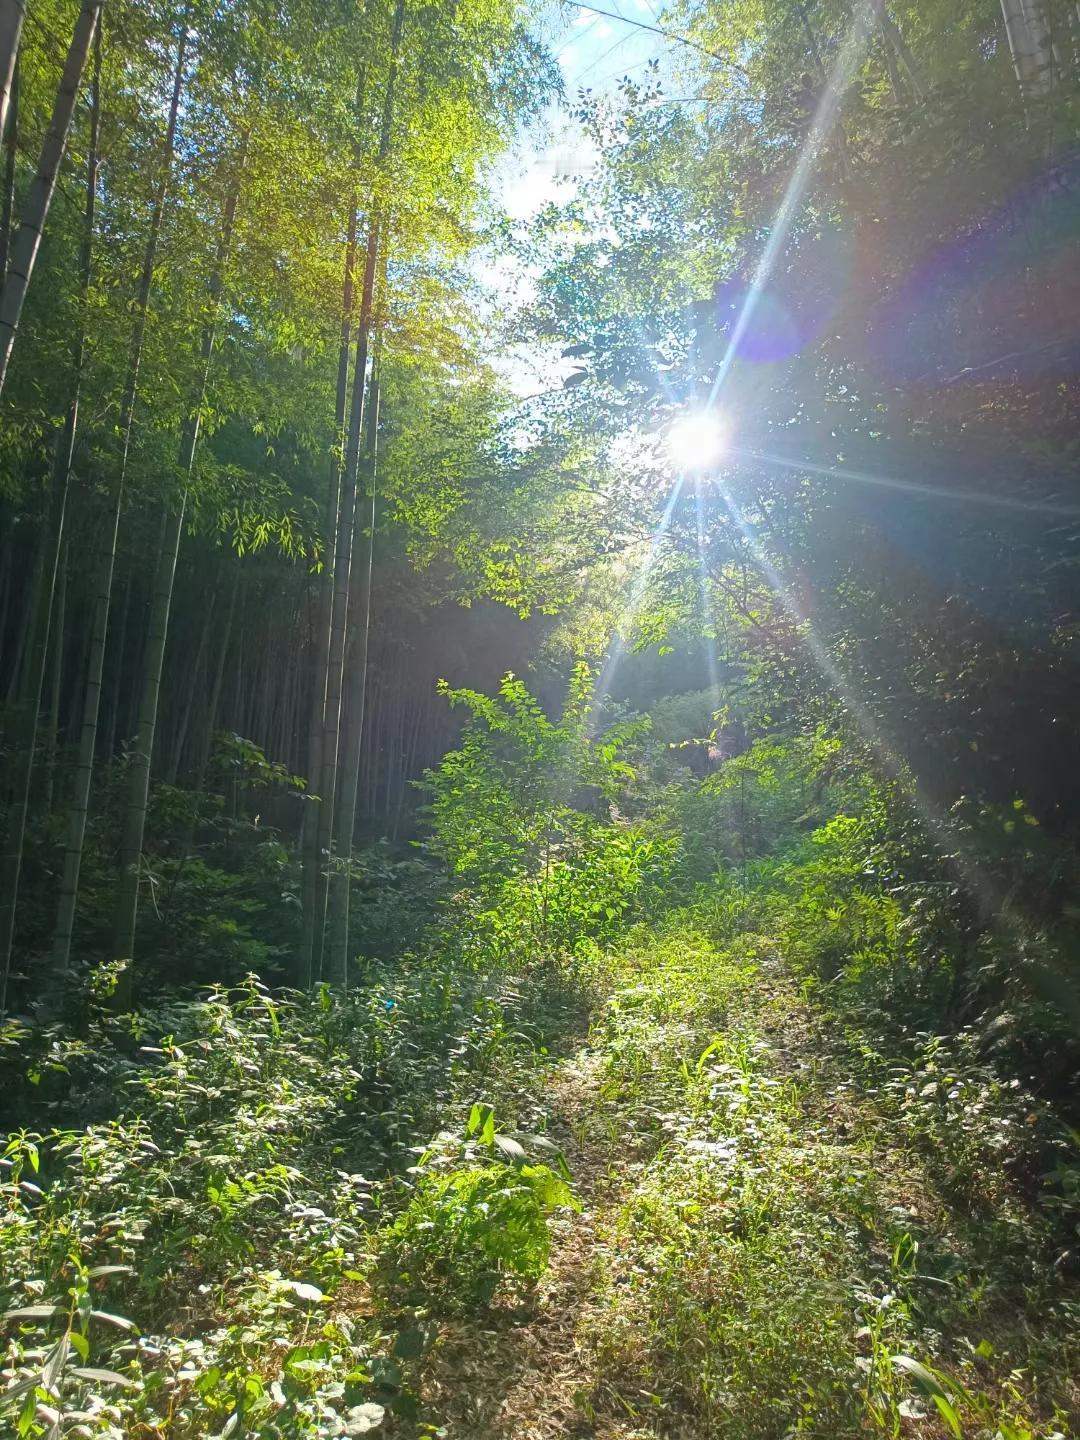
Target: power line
x,y
664,34
600,59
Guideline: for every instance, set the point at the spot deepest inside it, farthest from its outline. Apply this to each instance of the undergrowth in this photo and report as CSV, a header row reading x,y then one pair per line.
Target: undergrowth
x,y
847,1193
190,1265
788,1257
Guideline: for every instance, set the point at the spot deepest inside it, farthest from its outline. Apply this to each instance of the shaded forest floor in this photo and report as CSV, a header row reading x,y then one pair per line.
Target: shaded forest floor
x,y
763,1248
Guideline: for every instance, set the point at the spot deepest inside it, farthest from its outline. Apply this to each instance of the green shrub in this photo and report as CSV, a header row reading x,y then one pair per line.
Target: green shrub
x,y
525,817
464,1231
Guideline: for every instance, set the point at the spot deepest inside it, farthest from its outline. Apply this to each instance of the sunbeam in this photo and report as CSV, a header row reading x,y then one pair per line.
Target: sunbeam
x,y
708,640
617,644
944,834
913,487
850,58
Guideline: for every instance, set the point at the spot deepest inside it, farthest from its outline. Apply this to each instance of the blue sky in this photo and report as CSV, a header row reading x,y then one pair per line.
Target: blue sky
x,y
594,52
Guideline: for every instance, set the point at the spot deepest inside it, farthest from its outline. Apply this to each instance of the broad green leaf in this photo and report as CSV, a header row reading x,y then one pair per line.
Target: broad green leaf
x,y
932,1386
104,1377
303,1291
119,1321
510,1147
54,1365
34,1312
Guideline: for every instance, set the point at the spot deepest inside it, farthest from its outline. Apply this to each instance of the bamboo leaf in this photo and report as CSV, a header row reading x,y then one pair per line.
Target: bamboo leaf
x,y
103,1377
33,1312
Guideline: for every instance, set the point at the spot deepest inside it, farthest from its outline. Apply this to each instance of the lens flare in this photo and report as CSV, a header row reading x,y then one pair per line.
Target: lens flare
x,y
697,441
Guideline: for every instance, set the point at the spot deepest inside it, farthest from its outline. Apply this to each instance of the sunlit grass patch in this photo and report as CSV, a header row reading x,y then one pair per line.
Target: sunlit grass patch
x,y
671,993
783,1262
728,1302
728,1271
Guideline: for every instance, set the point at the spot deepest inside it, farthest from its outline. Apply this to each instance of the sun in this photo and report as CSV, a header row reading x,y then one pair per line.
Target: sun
x,y
697,440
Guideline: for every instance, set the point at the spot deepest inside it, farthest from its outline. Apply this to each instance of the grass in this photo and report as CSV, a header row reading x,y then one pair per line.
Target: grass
x,y
783,1259
208,1258
326,1216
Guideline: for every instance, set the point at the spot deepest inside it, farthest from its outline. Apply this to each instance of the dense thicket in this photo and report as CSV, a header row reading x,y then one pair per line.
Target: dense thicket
x,y
258,232
849,238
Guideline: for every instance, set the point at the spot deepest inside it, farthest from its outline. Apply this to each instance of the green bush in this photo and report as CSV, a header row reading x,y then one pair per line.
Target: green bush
x,y
525,817
463,1232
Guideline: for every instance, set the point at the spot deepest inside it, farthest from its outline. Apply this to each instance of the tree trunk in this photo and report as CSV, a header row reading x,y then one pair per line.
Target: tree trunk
x,y
215,691
895,42
313,881
318,817
197,672
408,764
138,777
892,71
27,242
360,623
343,560
52,548
843,161
1022,47
56,680
6,566
1046,56
27,629
11,149
12,15
118,645
84,771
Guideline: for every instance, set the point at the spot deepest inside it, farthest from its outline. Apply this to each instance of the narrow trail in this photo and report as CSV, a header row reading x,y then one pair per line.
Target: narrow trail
x,y
524,1375
759,1244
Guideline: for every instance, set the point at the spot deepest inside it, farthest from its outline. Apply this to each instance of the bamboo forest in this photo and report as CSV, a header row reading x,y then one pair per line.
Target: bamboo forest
x,y
540,719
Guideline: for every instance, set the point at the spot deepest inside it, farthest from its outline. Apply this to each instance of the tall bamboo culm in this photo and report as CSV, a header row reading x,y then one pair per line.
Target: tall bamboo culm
x,y
84,769
27,242
138,776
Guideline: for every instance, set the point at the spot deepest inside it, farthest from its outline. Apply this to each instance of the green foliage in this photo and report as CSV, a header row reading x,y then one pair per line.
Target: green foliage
x,y
820,1200
756,801
880,852
191,1244
469,1225
525,813
891,914
464,1231
781,1261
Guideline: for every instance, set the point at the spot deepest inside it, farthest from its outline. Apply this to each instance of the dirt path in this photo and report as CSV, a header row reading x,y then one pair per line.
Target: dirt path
x,y
761,1247
524,1373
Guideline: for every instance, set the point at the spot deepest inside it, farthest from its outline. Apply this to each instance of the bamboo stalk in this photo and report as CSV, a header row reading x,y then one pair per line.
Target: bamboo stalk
x,y
12,16
27,242
69,887
52,547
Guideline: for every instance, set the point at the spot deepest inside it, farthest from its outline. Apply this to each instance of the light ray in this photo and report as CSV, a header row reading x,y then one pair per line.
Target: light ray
x,y
944,835
914,487
617,645
848,61
708,641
